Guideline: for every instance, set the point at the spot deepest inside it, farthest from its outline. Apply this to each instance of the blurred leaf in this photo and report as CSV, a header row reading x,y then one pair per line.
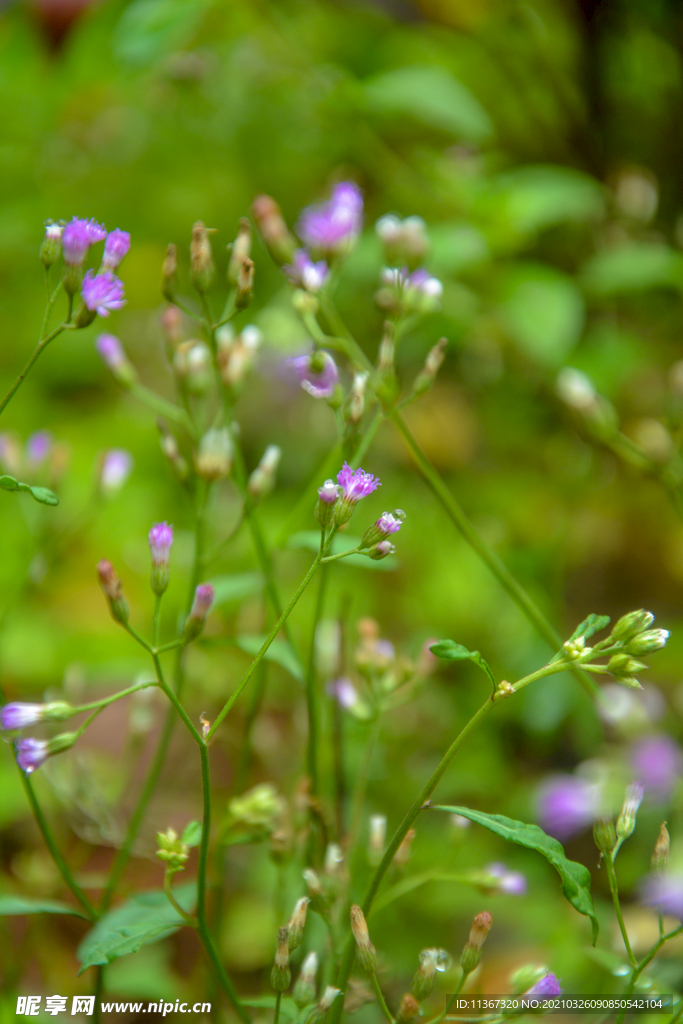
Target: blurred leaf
x,y
543,310
148,29
532,199
11,906
576,879
309,540
450,651
41,494
147,917
279,651
192,834
433,96
236,587
8,483
593,624
634,267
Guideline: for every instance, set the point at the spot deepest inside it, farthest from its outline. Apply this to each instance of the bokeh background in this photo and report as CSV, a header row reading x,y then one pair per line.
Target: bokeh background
x,y
541,142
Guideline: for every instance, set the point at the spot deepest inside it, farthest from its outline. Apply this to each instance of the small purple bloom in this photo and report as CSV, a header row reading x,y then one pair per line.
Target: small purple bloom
x,y
160,541
103,292
317,373
20,716
116,468
658,762
38,446
329,492
344,692
356,484
31,753
334,225
512,882
203,599
422,282
77,237
547,987
304,273
391,522
53,231
665,891
567,805
115,248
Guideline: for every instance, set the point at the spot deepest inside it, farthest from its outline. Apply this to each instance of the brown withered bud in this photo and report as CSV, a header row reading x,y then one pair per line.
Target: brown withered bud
x,y
427,376
240,250
201,258
366,952
273,230
408,1010
169,272
660,857
111,587
172,325
281,975
471,954
402,855
245,284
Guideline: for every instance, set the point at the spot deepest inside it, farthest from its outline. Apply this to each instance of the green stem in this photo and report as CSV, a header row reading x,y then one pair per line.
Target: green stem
x,y
40,347
49,840
639,968
361,785
187,918
612,875
155,620
487,555
160,405
450,1002
380,998
115,696
311,683
266,644
278,1000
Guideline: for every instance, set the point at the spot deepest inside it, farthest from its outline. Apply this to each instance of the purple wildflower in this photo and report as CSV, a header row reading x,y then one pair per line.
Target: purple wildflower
x,y
117,465
304,273
115,248
38,446
21,716
334,225
344,692
103,292
77,237
201,606
111,350
356,484
160,541
547,987
329,492
511,882
391,522
658,762
665,891
566,805
317,373
31,753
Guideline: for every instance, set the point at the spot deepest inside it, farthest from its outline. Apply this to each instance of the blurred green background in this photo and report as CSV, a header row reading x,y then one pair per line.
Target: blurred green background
x,y
542,143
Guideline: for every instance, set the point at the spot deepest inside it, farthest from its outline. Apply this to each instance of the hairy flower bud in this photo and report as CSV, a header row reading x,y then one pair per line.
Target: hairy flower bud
x,y
201,258
271,224
304,988
471,954
408,1010
626,822
22,716
427,376
160,542
365,951
281,975
111,585
240,250
297,922
660,856
604,835
194,623
51,247
647,642
630,625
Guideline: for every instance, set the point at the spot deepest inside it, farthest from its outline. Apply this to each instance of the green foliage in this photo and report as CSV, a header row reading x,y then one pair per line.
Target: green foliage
x,y
11,906
40,494
450,651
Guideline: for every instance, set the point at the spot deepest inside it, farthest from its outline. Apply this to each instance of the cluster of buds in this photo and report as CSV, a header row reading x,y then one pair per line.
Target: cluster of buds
x,y
471,954
173,851
102,292
403,293
259,807
236,354
635,639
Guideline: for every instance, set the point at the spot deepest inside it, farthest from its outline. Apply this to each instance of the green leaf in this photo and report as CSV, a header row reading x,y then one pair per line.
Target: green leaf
x,y
309,540
8,483
148,29
192,834
236,587
543,311
11,906
532,199
279,651
593,624
433,96
450,651
576,878
633,267
145,918
41,494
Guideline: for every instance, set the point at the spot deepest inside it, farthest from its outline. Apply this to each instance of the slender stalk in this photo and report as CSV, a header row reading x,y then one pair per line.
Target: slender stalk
x,y
155,620
311,684
640,967
450,1002
361,784
187,918
38,350
160,405
266,644
614,887
49,840
278,1000
380,998
115,696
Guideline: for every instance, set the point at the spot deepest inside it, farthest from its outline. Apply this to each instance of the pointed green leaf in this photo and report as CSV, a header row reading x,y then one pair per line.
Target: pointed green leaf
x,y
236,587
279,652
11,906
576,878
145,918
192,835
593,624
450,651
44,496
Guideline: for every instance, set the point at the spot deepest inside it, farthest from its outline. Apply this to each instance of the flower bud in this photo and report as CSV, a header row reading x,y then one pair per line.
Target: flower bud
x,y
21,716
630,625
471,954
387,524
366,952
240,250
171,324
381,550
328,997
115,359
201,258
245,284
281,975
604,835
262,480
297,922
328,495
51,247
213,460
160,542
169,273
355,406
647,642
32,753
402,855
660,856
408,1010
192,366
431,961
116,247
201,605
172,851
377,838
304,988
111,586
626,822
271,224
427,376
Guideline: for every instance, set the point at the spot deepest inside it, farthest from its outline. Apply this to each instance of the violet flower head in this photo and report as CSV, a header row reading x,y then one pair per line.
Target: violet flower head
x,y
117,466
111,351
103,292
160,541
31,753
329,492
304,273
356,484
201,606
77,237
391,522
547,987
664,891
658,762
334,225
344,692
38,446
317,373
566,805
421,281
21,716
115,248
511,882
